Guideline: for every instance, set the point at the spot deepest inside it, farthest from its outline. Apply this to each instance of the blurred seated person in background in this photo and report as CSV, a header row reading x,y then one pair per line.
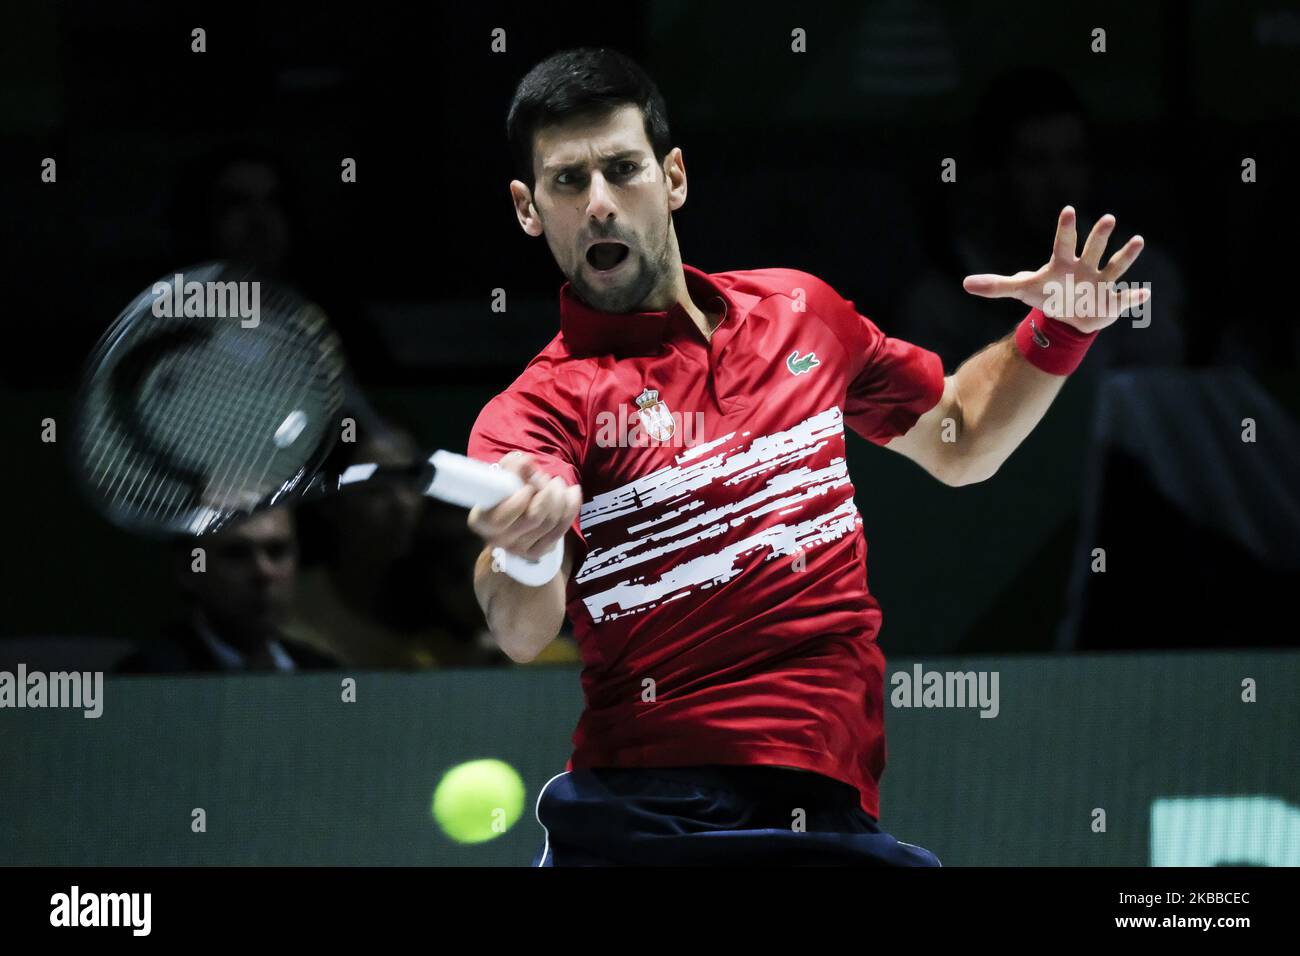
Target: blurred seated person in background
x,y
237,203
238,597
1033,151
392,587
242,203
444,558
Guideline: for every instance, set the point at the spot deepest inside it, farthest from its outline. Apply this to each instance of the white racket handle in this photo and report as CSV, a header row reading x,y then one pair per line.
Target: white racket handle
x,y
532,573
468,483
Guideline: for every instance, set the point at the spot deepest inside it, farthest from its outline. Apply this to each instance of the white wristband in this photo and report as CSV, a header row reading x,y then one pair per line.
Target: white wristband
x,y
532,573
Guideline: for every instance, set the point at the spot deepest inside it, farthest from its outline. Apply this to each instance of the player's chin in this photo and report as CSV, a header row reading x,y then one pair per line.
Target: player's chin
x,y
611,290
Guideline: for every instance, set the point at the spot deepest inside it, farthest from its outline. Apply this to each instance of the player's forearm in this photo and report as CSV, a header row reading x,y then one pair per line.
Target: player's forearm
x,y
1000,398
523,619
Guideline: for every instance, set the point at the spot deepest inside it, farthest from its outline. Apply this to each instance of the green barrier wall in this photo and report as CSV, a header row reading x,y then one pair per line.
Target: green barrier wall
x,y
1185,771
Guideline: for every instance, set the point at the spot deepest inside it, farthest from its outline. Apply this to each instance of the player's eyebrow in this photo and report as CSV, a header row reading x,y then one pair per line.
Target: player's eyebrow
x,y
563,167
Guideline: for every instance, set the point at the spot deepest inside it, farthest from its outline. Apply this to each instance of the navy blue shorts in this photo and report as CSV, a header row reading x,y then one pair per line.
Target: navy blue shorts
x,y
712,816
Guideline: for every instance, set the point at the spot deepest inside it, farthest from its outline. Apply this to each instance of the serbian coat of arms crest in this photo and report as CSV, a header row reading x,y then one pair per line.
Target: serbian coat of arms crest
x,y
655,417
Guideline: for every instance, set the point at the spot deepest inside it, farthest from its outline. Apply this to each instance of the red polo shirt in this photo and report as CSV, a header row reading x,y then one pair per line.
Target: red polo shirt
x,y
720,596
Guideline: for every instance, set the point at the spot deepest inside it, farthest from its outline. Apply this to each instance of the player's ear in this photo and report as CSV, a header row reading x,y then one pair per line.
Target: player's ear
x,y
675,177
525,210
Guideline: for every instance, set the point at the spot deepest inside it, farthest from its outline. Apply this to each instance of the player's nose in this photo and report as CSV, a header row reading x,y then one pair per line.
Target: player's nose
x,y
600,199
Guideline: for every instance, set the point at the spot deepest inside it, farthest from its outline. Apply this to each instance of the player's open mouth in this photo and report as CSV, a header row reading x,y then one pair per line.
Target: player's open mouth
x,y
606,256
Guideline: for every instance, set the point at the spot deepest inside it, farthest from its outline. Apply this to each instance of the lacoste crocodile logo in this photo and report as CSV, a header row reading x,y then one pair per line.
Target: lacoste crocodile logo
x,y
798,366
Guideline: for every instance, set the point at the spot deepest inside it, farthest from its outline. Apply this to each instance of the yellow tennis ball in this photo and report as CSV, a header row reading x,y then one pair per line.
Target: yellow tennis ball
x,y
478,800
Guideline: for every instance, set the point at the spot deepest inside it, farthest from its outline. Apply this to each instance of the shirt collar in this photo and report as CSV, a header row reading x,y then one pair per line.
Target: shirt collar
x,y
589,331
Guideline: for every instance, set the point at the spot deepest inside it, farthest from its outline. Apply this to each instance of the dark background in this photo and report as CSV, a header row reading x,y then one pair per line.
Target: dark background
x,y
827,161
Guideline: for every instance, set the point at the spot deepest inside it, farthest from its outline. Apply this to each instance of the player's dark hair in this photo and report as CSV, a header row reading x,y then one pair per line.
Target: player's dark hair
x,y
581,82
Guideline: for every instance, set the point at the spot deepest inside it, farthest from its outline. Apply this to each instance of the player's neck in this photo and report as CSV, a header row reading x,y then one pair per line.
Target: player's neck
x,y
704,321
707,323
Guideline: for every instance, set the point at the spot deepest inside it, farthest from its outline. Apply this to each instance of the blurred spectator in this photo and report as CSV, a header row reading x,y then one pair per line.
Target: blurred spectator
x,y
235,204
382,588
444,564
393,586
238,597
239,204
1033,152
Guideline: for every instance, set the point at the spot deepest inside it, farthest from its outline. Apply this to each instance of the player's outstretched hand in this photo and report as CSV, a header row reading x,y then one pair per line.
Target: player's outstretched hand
x,y
1075,289
532,519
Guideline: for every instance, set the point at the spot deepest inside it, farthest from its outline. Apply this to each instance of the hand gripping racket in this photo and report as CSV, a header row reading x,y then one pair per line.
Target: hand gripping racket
x,y
217,394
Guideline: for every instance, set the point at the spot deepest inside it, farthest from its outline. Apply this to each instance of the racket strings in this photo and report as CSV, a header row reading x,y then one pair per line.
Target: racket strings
x,y
211,410
180,419
204,423
260,407
297,390
232,410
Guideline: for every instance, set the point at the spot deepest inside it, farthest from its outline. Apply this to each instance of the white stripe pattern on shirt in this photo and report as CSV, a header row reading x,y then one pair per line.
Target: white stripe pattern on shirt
x,y
674,522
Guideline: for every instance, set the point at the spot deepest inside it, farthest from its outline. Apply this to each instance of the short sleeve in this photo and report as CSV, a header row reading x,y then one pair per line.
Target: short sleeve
x,y
513,422
891,382
898,383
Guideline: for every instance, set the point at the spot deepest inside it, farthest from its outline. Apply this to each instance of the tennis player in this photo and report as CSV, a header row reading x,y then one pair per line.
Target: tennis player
x,y
684,435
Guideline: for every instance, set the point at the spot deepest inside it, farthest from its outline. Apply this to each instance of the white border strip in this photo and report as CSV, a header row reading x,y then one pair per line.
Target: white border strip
x,y
546,845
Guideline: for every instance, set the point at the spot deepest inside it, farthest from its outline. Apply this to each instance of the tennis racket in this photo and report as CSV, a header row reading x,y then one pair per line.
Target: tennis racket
x,y
216,394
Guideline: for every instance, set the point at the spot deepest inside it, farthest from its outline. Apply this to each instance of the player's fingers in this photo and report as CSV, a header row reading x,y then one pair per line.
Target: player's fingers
x,y
538,520
521,533
490,523
1095,244
1133,297
570,504
550,510
543,545
1121,260
990,286
542,548
520,464
1066,238
486,522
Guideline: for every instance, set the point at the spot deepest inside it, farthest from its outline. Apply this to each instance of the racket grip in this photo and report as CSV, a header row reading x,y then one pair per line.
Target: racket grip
x,y
469,483
532,573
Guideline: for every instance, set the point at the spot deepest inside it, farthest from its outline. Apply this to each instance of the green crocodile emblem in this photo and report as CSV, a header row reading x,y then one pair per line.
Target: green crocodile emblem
x,y
798,366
